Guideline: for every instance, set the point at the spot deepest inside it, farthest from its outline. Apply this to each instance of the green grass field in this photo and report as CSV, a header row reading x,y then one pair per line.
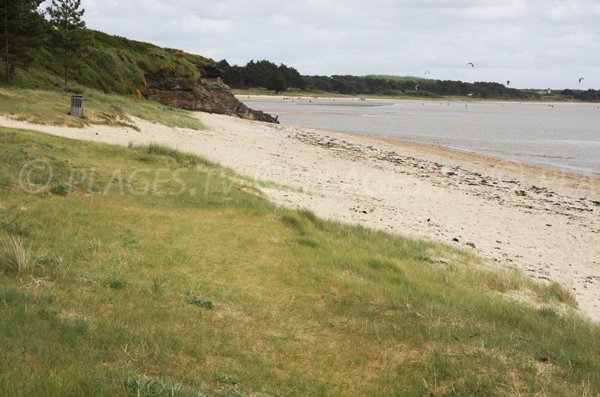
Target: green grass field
x,y
52,107
144,271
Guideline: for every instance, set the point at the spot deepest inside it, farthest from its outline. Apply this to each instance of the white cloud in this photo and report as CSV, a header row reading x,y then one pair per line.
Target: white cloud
x,y
483,11
193,24
575,11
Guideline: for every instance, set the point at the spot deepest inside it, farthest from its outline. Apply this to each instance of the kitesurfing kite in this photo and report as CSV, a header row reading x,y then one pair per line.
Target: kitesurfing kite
x,y
417,87
581,79
471,64
507,82
427,72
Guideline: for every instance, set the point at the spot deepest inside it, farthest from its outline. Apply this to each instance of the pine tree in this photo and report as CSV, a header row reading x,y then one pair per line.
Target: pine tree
x,y
21,32
69,28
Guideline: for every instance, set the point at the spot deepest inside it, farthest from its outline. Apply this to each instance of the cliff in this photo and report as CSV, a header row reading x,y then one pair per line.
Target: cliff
x,y
207,94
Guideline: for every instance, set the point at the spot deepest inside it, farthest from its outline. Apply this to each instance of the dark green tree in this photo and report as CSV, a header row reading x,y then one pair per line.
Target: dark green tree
x,y
234,75
21,32
292,77
276,83
69,31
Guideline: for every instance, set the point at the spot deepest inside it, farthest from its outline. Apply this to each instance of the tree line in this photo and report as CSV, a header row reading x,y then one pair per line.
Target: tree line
x,y
355,85
262,74
25,28
587,95
280,78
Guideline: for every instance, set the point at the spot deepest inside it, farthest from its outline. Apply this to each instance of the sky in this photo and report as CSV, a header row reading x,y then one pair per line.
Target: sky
x,y
532,43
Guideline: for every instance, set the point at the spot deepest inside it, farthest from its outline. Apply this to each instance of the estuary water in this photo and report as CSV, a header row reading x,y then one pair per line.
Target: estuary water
x,y
563,135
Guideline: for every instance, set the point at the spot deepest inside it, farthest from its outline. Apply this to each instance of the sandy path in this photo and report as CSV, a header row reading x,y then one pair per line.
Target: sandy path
x,y
545,222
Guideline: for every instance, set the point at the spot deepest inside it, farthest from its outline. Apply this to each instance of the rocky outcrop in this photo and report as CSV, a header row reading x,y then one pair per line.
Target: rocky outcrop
x,y
210,94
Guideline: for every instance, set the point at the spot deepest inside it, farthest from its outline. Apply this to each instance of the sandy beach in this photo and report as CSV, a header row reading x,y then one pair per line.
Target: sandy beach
x,y
543,221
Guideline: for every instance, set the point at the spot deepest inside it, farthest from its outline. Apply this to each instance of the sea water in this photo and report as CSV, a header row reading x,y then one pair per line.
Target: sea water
x,y
564,135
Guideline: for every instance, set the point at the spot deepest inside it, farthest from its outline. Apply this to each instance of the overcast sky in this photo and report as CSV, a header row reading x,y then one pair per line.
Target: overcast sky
x,y
532,43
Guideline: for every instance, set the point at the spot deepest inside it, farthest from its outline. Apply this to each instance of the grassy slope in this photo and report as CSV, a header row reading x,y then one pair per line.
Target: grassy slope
x,y
111,64
222,293
52,107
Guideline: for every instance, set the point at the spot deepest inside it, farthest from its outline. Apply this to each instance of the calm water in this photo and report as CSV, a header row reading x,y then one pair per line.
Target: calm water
x,y
567,135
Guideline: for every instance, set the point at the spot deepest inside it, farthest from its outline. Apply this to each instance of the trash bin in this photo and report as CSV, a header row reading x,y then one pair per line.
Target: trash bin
x,y
77,106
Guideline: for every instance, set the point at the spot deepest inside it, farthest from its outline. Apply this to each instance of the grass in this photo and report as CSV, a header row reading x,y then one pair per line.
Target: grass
x,y
555,291
182,158
271,185
139,386
16,255
52,107
195,299
110,64
300,306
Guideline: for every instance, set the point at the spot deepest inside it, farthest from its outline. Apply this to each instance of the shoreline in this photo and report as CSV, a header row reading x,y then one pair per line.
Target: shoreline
x,y
356,98
541,221
387,102
457,152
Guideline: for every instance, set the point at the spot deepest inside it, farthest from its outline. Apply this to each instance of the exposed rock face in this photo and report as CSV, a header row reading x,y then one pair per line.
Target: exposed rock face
x,y
209,95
